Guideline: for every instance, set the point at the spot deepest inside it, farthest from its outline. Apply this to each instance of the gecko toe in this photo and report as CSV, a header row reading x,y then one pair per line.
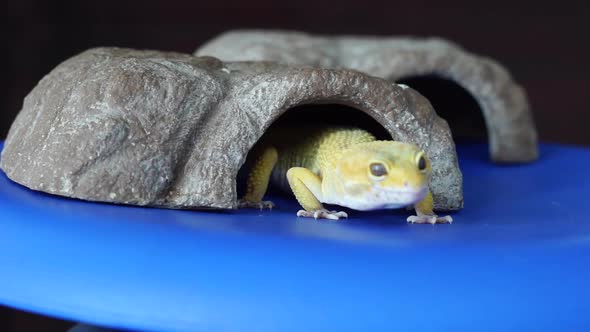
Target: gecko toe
x,y
340,214
445,220
322,214
429,219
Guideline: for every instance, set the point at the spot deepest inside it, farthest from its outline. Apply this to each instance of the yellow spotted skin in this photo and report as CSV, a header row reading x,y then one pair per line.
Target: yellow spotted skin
x,y
344,166
260,174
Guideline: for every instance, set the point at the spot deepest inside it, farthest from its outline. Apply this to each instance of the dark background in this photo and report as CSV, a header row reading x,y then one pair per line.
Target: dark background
x,y
545,46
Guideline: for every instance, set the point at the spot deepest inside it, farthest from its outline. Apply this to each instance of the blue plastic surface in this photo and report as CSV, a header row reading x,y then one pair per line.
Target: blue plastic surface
x,y
516,258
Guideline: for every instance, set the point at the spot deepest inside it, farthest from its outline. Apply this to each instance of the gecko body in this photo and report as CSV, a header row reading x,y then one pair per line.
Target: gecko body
x,y
344,166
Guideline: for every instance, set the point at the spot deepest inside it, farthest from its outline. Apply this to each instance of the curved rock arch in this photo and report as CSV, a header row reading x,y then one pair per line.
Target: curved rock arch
x,y
172,130
511,132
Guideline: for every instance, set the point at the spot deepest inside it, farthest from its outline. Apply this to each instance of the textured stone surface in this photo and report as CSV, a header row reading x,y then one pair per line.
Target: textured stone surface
x,y
511,130
165,129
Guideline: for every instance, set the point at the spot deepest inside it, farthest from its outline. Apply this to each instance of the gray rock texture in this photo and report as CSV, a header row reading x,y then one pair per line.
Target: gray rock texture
x,y
172,130
511,131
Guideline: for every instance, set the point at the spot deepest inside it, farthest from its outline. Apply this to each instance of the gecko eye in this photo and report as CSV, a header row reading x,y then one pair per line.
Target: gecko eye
x,y
421,162
378,169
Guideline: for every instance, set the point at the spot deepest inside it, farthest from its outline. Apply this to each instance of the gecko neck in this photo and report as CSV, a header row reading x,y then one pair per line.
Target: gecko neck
x,y
335,141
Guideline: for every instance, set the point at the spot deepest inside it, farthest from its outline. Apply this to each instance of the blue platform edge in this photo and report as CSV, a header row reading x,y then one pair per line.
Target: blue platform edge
x,y
516,258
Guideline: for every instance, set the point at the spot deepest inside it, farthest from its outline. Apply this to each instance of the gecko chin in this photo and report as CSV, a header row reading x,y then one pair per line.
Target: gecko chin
x,y
384,198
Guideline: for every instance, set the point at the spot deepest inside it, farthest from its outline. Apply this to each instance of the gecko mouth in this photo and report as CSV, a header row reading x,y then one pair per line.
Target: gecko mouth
x,y
381,198
396,198
419,191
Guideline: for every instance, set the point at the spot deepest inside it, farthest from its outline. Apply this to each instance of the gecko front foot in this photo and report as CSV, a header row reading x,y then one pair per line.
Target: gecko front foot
x,y
256,205
429,219
322,214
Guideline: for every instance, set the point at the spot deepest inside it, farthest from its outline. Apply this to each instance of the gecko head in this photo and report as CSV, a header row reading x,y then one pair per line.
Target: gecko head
x,y
381,174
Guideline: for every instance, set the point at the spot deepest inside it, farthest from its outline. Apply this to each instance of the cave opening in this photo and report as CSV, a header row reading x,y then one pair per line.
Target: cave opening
x,y
330,115
453,103
316,114
450,100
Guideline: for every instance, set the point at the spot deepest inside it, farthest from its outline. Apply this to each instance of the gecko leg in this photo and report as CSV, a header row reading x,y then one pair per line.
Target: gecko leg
x,y
307,187
425,214
258,180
